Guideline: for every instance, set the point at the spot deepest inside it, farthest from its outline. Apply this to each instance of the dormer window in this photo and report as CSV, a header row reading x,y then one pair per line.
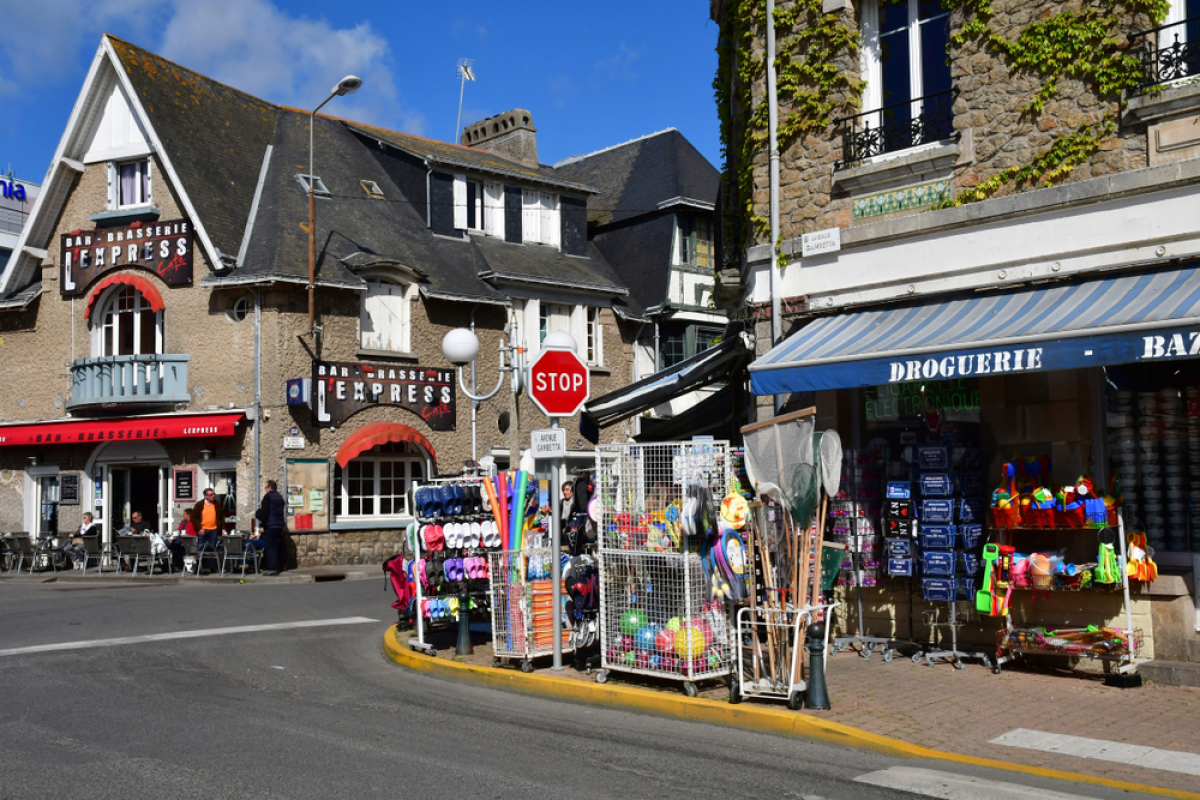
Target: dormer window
x,y
372,189
540,222
129,184
468,204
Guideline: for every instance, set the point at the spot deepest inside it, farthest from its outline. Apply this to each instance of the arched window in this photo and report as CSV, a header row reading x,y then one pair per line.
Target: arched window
x,y
375,483
127,324
385,316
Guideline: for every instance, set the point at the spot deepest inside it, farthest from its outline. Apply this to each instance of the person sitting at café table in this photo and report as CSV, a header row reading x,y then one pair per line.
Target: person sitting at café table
x,y
175,544
75,551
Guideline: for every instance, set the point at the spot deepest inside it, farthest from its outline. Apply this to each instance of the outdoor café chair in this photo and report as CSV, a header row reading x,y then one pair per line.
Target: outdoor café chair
x,y
93,552
136,550
235,550
25,549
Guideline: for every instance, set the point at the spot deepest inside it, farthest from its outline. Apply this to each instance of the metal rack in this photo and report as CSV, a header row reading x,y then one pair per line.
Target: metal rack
x,y
522,607
656,615
955,655
756,674
418,642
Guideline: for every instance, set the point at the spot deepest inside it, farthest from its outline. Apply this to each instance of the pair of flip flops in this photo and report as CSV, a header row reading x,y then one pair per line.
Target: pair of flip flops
x,y
440,608
430,573
463,534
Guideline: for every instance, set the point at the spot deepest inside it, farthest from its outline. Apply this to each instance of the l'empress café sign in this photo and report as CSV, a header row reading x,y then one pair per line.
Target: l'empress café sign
x,y
342,388
164,248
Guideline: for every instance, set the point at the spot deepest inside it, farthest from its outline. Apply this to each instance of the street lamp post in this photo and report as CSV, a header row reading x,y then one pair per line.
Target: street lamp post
x,y
347,85
460,347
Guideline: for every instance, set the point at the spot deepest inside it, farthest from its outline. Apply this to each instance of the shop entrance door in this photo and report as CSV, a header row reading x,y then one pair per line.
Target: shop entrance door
x,y
134,488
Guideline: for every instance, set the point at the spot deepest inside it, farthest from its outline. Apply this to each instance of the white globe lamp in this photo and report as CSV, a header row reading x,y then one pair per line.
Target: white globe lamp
x,y
460,346
559,340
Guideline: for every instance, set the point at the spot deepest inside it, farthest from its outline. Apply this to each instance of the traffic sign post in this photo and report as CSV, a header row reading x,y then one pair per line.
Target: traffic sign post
x,y
559,384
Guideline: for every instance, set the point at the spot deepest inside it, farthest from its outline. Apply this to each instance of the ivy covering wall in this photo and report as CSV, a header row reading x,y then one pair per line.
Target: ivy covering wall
x,y
818,81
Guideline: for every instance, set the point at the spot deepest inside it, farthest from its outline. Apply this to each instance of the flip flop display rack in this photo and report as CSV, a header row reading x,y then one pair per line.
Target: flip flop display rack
x,y
522,607
665,560
456,528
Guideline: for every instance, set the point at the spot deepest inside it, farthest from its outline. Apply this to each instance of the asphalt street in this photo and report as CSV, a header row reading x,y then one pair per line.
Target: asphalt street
x,y
319,712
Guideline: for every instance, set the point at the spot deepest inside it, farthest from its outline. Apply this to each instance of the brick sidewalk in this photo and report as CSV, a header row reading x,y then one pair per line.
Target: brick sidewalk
x,y
960,711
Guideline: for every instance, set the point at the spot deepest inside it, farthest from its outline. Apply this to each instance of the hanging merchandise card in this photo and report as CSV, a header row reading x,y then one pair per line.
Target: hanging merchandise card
x,y
937,511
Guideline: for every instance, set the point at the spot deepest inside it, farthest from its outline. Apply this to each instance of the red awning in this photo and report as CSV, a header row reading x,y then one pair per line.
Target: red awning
x,y
119,430
375,433
144,286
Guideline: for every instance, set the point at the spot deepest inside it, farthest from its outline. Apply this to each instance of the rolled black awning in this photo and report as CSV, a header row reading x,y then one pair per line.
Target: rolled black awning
x,y
702,369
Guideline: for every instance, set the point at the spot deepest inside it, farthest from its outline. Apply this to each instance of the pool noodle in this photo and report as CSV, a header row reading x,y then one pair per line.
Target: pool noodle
x,y
502,500
520,486
495,505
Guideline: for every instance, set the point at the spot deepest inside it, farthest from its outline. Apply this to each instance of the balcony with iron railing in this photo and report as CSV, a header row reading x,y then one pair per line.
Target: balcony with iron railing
x,y
1169,53
895,127
142,380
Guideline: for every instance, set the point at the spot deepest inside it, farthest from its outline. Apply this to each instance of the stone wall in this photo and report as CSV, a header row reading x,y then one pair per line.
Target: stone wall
x,y
995,133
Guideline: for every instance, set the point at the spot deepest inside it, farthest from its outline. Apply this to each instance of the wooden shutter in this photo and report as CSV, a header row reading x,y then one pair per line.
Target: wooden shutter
x,y
493,210
460,202
531,207
384,318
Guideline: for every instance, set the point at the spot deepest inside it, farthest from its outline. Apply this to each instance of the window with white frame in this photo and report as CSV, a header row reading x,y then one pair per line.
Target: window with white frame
x,y
127,324
908,87
385,316
594,335
375,483
553,317
129,184
468,204
539,221
1180,38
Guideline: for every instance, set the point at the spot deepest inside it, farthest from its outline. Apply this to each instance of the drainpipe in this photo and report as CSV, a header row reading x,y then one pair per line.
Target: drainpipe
x,y
474,403
428,197
657,352
773,143
258,420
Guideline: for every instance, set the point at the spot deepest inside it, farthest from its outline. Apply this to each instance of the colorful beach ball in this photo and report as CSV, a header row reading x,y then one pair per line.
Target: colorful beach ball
x,y
633,621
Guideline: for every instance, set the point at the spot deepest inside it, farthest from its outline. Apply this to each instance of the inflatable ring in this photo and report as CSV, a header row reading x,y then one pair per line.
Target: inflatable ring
x,y
735,510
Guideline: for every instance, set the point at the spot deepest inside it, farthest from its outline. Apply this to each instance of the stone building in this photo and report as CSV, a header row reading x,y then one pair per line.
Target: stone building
x,y
155,322
988,232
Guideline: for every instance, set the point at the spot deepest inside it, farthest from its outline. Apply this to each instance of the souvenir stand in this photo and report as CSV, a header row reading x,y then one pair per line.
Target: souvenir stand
x,y
658,510
522,607
456,529
856,524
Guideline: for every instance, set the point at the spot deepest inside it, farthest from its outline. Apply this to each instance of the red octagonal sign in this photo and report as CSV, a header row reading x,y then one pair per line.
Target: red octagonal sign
x,y
559,383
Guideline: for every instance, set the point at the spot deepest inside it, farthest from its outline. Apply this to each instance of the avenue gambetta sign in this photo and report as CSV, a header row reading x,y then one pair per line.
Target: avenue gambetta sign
x,y
341,389
164,248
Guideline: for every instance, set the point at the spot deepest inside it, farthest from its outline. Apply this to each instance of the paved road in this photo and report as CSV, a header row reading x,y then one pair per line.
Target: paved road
x,y
319,712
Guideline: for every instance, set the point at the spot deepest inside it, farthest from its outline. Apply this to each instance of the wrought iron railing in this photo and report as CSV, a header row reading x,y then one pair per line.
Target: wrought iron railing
x,y
898,126
1168,53
129,380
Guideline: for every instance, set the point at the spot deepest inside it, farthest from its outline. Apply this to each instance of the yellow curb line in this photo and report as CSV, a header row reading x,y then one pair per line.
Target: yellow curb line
x,y
751,718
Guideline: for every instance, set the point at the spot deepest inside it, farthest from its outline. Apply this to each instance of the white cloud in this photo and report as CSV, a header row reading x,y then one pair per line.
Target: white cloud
x,y
619,66
251,45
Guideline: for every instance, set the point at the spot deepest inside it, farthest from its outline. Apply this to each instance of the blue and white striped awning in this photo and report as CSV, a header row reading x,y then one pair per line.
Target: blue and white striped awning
x,y
1128,318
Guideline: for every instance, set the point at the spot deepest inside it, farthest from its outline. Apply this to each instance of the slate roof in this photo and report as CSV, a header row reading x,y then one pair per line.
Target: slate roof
x,y
469,158
544,264
635,177
213,134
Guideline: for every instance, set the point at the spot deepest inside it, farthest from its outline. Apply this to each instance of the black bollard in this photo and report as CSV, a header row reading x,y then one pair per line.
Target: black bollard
x,y
463,648
817,696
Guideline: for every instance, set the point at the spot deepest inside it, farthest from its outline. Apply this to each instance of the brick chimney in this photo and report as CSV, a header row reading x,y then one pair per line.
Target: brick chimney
x,y
509,135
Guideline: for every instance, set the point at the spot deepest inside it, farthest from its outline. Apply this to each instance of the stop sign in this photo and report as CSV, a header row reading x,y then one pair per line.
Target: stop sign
x,y
558,383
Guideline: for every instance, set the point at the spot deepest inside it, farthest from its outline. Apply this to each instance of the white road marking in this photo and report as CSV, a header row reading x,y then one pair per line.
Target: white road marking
x,y
948,786
1118,752
162,637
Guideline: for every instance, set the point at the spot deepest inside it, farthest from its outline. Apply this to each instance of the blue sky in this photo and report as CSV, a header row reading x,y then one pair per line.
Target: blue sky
x,y
592,74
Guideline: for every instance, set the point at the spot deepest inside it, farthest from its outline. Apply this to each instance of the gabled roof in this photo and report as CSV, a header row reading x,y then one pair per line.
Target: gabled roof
x,y
462,157
642,176
215,136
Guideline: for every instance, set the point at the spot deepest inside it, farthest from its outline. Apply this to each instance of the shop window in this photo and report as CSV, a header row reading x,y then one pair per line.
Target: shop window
x,y
129,184
385,316
375,484
908,87
128,325
48,505
224,483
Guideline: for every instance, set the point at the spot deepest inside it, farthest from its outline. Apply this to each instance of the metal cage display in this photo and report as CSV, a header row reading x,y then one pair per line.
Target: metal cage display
x,y
522,606
657,614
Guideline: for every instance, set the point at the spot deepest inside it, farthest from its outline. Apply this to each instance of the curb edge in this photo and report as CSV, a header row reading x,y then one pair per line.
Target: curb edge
x,y
752,718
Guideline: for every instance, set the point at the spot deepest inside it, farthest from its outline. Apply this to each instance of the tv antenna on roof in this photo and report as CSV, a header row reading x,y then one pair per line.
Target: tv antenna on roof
x,y
465,72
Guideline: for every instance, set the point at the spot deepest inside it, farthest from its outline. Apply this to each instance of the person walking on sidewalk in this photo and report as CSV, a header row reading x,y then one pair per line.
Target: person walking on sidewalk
x,y
208,516
271,516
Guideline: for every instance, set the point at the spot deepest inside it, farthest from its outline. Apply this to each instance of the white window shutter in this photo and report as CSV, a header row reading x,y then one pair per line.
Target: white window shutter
x,y
531,209
149,184
493,210
460,202
112,185
548,229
